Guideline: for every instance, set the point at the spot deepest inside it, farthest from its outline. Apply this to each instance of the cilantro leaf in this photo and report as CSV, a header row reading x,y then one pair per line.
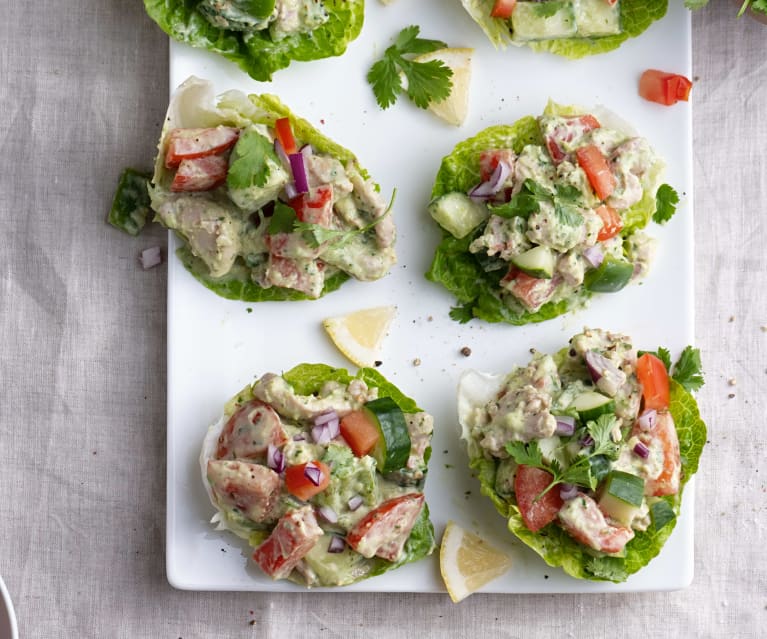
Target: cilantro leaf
x,y
427,82
527,454
282,220
248,164
666,200
663,354
600,430
759,5
688,369
463,313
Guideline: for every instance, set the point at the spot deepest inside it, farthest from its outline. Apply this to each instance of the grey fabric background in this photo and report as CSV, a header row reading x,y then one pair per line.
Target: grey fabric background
x,y
82,362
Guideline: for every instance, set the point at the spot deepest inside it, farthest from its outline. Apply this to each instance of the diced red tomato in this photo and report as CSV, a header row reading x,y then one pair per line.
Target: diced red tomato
x,y
653,376
294,535
611,222
533,292
188,144
597,170
664,435
556,153
488,161
566,132
251,488
359,432
503,9
285,135
664,88
583,520
249,432
316,206
200,174
298,482
384,531
529,482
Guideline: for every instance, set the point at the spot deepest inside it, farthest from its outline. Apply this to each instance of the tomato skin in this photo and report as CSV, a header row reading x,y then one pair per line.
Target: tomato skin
x,y
653,376
294,535
359,432
285,135
663,433
611,222
503,9
200,174
384,531
597,170
316,206
533,292
188,144
298,484
249,431
529,482
590,527
664,88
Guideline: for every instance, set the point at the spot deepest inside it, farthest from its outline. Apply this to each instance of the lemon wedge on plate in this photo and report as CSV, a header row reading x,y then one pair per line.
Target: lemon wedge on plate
x,y
359,335
467,562
455,107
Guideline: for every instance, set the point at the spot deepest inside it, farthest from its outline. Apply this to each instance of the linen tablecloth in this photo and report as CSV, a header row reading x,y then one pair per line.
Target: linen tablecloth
x,y
82,362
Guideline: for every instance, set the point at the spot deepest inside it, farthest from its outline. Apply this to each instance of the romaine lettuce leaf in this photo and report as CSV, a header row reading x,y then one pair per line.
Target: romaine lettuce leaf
x,y
460,272
636,17
558,549
256,53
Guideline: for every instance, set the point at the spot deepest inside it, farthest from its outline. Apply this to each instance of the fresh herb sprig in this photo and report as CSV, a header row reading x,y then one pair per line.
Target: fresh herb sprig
x,y
566,199
427,82
248,165
580,470
666,200
688,369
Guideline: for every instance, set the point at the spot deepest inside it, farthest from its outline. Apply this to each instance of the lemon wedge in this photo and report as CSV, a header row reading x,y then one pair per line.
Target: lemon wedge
x,y
468,562
455,107
359,335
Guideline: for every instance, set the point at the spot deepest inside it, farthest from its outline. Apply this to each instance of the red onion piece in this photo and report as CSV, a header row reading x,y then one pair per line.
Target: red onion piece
x,y
588,440
648,419
275,459
306,150
290,191
485,190
565,425
568,491
313,473
324,418
328,514
280,151
321,434
150,257
299,172
300,437
337,544
593,255
355,502
641,450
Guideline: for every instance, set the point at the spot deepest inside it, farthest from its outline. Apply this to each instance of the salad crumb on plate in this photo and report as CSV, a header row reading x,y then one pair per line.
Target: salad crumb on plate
x,y
322,473
586,452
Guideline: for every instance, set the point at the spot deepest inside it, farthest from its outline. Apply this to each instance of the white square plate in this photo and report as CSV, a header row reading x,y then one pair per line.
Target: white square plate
x,y
216,346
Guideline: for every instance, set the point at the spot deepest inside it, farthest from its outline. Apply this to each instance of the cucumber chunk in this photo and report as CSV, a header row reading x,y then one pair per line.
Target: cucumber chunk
x,y
457,213
661,514
622,497
131,206
543,20
537,262
610,276
392,450
590,405
596,18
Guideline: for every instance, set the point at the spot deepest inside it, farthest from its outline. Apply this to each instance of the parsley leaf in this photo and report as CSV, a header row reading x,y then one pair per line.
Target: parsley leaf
x,y
248,164
666,200
462,313
565,201
688,369
426,81
283,219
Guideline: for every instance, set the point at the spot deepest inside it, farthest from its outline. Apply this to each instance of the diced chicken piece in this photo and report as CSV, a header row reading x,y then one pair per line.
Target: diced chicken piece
x,y
571,267
294,535
361,258
249,432
188,144
211,229
348,212
370,200
583,520
543,227
592,225
252,489
504,237
305,276
384,531
640,250
534,163
324,169
292,245
200,174
629,163
532,292
277,392
521,414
